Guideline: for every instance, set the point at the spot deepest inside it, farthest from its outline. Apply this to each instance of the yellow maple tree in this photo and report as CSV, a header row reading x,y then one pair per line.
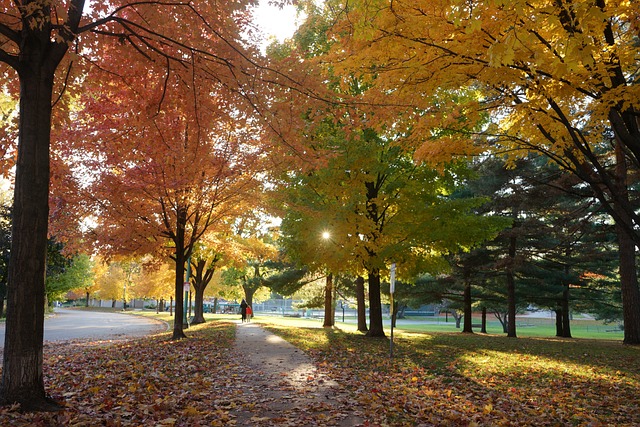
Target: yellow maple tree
x,y
461,77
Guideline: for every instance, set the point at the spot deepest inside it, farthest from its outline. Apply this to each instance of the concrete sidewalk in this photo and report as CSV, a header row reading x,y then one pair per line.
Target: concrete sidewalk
x,y
285,387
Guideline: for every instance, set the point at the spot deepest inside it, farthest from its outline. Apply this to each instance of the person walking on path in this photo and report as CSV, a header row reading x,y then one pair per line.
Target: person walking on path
x,y
249,313
243,309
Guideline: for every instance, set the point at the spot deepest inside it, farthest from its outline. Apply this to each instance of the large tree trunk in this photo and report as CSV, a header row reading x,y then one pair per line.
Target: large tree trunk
x,y
511,290
468,320
362,309
483,328
566,318
22,377
178,324
627,258
198,308
328,302
375,305
629,285
559,323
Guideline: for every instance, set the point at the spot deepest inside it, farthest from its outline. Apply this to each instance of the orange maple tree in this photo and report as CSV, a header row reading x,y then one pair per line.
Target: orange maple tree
x,y
177,174
60,50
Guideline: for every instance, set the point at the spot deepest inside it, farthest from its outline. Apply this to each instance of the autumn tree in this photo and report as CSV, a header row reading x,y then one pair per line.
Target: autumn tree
x,y
66,273
380,207
558,78
156,280
36,37
177,190
110,279
254,262
188,160
205,260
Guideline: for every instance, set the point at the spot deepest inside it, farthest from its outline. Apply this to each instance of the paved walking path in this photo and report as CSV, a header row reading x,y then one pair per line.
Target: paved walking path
x,y
285,387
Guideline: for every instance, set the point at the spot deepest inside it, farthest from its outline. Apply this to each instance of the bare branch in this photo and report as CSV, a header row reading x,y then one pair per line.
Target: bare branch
x,y
10,33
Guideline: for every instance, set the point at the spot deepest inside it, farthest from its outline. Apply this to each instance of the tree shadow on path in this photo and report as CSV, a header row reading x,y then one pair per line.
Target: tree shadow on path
x,y
278,385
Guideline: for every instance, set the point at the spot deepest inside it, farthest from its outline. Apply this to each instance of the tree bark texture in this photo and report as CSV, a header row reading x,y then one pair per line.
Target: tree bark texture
x,y
468,320
566,318
202,278
362,309
511,290
558,313
22,378
375,306
484,320
627,257
180,258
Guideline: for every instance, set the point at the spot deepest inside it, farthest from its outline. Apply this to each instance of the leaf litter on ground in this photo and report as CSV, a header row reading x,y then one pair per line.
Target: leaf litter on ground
x,y
433,379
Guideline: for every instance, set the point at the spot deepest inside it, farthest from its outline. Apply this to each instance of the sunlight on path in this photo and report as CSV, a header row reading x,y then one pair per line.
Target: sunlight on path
x,y
283,387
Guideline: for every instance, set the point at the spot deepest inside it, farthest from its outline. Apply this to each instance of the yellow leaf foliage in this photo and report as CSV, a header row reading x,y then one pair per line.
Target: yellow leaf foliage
x,y
544,68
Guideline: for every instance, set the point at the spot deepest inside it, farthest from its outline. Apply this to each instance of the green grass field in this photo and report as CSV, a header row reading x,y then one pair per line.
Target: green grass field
x,y
526,326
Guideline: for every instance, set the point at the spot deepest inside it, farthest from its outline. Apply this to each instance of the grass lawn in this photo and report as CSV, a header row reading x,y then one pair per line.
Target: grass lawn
x,y
445,378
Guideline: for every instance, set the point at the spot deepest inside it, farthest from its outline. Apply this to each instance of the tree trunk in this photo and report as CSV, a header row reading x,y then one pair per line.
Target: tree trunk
x,y
198,308
457,317
22,377
502,318
202,278
375,305
178,324
559,323
511,290
629,285
328,302
483,328
401,309
362,309
179,314
468,320
627,258
249,292
566,319
86,304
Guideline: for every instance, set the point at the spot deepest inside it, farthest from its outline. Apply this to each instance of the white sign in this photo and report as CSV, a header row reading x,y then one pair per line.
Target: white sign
x,y
186,286
392,282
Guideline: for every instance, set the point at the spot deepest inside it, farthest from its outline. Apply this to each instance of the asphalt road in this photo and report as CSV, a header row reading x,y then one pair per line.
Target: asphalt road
x,y
78,324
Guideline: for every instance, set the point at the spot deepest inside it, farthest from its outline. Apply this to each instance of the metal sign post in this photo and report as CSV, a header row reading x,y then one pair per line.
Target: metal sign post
x,y
186,288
